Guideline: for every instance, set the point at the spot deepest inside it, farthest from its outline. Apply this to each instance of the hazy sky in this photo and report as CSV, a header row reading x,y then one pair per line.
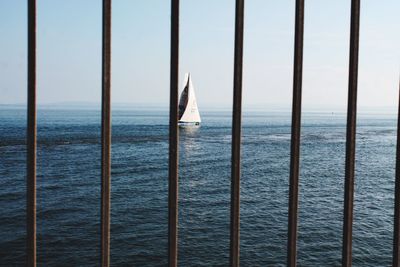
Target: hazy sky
x,y
69,51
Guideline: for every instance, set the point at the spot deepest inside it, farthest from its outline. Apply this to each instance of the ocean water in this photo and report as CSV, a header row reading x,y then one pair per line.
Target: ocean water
x,y
68,192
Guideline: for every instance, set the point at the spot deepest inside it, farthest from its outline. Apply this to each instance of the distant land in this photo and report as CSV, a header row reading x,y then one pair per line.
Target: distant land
x,y
267,107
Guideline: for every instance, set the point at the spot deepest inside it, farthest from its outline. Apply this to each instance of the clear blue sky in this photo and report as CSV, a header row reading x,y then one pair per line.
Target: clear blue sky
x,y
69,51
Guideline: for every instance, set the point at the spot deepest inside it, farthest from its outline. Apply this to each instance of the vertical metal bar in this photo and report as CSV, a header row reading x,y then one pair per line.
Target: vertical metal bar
x,y
295,135
31,139
106,135
396,225
351,135
173,140
234,258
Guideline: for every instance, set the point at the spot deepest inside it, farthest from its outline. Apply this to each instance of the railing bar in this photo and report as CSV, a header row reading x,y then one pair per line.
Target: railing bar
x,y
396,224
295,135
173,139
106,135
31,138
236,136
351,135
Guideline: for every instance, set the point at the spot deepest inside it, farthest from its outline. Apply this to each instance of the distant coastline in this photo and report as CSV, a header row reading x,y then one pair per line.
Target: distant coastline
x,y
268,108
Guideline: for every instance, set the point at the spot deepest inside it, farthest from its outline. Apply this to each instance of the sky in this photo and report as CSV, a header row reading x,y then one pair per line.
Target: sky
x,y
69,52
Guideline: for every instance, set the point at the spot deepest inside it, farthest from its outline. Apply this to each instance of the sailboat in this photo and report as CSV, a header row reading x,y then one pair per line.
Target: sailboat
x,y
188,111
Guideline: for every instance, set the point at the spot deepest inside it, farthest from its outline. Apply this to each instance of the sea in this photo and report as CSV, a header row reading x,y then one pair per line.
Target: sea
x,y
68,188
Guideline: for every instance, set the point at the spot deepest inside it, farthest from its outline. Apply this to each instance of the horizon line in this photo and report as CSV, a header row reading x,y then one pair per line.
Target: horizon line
x,y
215,106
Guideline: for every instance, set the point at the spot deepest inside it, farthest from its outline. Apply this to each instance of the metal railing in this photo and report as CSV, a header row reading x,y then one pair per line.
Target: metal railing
x,y
173,139
106,135
31,139
295,138
234,258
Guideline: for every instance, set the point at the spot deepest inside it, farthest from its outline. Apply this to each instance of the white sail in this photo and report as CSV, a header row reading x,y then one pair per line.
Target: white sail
x,y
188,111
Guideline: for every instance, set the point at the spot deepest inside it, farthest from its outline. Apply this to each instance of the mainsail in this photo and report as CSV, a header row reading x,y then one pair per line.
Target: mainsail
x,y
188,111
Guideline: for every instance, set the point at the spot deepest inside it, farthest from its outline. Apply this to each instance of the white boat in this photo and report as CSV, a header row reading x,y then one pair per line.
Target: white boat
x,y
188,111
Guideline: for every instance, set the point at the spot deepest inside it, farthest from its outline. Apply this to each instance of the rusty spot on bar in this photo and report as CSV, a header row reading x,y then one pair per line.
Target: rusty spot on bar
x,y
295,135
351,135
396,224
31,139
106,135
173,140
234,258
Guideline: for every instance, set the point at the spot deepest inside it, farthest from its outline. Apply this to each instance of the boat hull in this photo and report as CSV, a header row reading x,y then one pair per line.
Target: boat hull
x,y
188,124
